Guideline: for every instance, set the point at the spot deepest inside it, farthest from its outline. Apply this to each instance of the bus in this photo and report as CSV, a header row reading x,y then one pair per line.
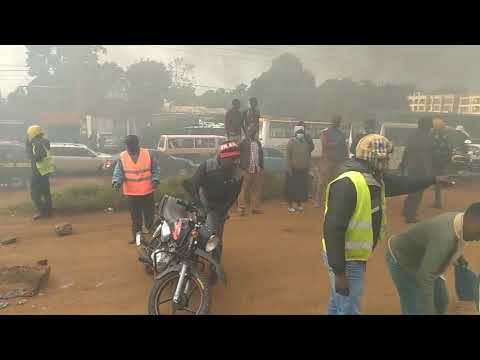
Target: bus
x,y
276,133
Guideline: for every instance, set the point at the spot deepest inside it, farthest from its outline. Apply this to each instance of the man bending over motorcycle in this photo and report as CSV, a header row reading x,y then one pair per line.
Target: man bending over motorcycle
x,y
215,187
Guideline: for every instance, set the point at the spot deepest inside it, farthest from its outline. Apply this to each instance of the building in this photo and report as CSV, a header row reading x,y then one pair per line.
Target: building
x,y
439,103
469,105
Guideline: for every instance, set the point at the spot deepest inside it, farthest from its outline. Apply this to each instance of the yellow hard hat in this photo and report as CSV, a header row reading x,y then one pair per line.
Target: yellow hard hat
x,y
438,123
34,131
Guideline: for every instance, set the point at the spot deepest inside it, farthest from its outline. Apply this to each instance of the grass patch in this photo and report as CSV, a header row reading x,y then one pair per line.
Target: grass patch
x,y
79,199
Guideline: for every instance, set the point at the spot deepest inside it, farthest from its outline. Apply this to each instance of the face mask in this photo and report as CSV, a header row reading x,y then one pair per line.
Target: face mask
x,y
300,136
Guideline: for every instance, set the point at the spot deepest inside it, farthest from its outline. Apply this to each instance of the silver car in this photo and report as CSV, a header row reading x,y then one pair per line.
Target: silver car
x,y
78,158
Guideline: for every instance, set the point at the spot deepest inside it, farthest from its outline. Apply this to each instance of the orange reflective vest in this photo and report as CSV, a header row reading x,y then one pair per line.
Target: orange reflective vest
x,y
137,177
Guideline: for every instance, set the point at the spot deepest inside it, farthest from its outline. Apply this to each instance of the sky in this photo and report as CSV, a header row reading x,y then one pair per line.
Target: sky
x,y
428,66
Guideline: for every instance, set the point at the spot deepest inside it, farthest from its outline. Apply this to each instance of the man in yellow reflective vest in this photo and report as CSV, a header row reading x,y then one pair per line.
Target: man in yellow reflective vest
x,y
38,151
139,173
355,218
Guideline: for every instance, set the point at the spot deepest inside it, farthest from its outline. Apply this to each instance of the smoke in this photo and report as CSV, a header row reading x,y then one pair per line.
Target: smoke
x,y
429,67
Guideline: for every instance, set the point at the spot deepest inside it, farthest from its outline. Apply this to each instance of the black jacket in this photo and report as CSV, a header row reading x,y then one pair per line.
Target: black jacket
x,y
417,157
214,187
342,201
245,154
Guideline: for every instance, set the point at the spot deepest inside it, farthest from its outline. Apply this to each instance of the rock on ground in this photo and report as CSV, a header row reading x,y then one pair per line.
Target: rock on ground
x,y
23,281
63,229
7,240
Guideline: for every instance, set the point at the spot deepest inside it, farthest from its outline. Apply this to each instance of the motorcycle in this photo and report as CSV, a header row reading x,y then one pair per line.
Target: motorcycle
x,y
177,256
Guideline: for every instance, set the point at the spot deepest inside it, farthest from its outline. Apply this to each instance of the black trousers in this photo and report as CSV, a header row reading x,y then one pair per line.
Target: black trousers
x,y
214,224
40,192
411,204
141,208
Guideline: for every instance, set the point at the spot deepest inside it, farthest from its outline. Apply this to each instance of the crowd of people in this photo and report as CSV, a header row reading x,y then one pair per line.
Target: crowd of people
x,y
352,190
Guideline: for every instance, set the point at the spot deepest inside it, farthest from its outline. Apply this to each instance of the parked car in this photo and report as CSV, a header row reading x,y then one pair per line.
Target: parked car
x,y
194,147
15,167
274,160
72,158
169,165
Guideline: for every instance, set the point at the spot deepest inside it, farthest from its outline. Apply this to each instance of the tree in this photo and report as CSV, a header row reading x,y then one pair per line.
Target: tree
x,y
285,89
148,82
182,91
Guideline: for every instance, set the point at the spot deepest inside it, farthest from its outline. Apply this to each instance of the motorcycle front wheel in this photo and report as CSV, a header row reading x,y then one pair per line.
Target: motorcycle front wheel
x,y
194,299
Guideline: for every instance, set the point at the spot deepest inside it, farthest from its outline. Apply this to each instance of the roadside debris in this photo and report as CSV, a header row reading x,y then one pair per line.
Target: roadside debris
x,y
3,305
7,240
66,286
23,281
63,229
22,302
109,210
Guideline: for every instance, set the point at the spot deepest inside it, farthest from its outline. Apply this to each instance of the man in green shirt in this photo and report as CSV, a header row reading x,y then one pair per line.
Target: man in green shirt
x,y
418,257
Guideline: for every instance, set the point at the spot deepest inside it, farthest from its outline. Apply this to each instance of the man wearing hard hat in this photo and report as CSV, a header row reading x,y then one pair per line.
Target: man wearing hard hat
x,y
38,150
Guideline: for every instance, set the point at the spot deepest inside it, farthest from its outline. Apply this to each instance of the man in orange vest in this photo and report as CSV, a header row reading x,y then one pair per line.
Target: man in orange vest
x,y
138,170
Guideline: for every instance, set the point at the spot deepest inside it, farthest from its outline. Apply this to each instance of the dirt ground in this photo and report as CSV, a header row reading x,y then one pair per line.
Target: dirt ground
x,y
273,263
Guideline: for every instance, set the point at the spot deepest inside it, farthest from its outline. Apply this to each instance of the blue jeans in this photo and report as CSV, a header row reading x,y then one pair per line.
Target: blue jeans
x,y
409,293
406,286
347,305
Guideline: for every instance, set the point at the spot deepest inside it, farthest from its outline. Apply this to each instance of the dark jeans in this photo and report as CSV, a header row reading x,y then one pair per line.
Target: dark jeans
x,y
408,291
411,204
141,207
437,188
40,192
214,224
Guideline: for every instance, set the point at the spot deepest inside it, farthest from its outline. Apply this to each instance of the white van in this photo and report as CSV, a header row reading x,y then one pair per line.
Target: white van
x,y
398,134
276,133
193,147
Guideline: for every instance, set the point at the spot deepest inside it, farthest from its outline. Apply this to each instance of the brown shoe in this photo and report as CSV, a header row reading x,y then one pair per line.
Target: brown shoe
x,y
257,211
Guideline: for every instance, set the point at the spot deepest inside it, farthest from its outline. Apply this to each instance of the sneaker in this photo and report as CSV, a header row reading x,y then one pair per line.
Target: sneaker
x,y
300,208
38,217
291,210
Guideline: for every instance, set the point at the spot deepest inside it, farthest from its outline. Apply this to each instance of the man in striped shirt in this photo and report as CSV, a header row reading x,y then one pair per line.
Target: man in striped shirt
x,y
251,164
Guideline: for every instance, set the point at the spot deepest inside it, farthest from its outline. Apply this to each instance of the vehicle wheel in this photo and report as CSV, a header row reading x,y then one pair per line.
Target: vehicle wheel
x,y
165,286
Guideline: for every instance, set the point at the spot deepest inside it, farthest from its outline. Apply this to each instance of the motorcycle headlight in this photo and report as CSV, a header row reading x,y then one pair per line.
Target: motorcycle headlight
x,y
212,243
165,231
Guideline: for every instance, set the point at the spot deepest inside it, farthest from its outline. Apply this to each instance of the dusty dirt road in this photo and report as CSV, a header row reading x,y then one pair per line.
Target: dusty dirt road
x,y
273,262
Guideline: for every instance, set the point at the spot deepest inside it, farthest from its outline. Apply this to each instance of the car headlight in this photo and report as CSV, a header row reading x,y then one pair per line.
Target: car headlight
x,y
212,243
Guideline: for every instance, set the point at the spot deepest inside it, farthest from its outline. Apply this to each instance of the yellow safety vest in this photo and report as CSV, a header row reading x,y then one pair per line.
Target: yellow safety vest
x,y
359,234
46,166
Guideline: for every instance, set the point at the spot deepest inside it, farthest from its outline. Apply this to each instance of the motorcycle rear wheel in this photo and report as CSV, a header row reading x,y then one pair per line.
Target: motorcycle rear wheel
x,y
168,283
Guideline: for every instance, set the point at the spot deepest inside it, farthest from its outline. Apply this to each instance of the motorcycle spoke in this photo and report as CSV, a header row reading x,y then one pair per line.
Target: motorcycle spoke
x,y
164,301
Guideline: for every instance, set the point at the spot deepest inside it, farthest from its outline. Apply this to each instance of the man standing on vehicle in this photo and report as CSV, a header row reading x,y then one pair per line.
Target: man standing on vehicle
x,y
417,161
355,218
215,186
251,163
252,116
138,170
334,152
442,153
38,150
233,122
